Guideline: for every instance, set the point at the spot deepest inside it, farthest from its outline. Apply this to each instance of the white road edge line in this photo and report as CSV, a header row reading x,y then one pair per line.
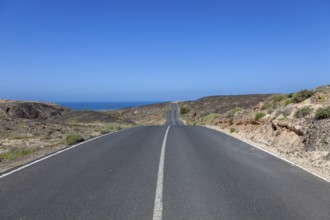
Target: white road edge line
x,y
51,155
158,207
277,156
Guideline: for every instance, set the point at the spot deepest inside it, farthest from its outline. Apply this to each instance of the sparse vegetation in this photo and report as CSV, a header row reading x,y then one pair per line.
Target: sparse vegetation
x,y
267,106
302,95
184,110
260,115
232,130
73,139
303,112
113,114
233,112
105,130
211,116
109,129
274,102
278,98
47,137
18,137
15,153
321,99
288,101
322,113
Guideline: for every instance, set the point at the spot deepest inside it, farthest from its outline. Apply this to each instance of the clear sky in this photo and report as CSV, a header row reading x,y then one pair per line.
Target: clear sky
x,y
125,50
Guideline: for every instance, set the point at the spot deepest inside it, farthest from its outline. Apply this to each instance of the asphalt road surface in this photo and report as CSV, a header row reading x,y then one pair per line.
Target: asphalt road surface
x,y
163,172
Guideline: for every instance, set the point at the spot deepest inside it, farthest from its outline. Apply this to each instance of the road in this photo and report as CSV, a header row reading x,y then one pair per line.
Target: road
x,y
164,172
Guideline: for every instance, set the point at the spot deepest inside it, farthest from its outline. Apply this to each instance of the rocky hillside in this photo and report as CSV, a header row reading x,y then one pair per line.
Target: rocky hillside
x,y
195,111
29,130
29,110
153,114
296,126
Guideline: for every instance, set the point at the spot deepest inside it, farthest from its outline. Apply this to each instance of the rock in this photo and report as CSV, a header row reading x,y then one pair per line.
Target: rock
x,y
296,129
318,135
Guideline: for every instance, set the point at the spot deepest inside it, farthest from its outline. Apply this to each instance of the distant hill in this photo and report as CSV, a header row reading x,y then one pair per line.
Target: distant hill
x,y
30,110
221,104
152,114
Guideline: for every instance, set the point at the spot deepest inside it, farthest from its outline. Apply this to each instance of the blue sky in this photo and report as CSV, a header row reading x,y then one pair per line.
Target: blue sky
x,y
125,50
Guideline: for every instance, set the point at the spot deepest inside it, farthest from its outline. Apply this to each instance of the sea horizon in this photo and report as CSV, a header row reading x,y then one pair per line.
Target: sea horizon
x,y
104,105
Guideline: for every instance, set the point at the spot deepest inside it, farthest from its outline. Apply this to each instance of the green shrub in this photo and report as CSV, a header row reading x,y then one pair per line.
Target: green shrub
x,y
260,115
184,110
302,95
267,106
231,120
233,112
303,112
109,129
105,130
288,101
278,98
211,116
321,99
232,130
73,139
322,113
114,114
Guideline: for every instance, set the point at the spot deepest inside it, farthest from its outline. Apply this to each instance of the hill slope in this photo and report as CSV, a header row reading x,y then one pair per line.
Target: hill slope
x,y
215,105
29,130
295,126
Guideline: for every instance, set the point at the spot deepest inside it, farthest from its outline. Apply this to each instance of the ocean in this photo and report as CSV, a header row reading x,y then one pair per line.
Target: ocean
x,y
98,106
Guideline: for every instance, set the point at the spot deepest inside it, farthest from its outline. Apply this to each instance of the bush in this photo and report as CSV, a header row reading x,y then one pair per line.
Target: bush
x,y
260,115
321,99
303,112
184,110
114,114
267,106
232,130
105,130
211,116
288,101
302,95
111,128
278,98
73,139
233,112
322,113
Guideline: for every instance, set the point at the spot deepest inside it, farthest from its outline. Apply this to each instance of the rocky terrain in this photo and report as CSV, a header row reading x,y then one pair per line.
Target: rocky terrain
x,y
144,115
29,130
294,126
213,106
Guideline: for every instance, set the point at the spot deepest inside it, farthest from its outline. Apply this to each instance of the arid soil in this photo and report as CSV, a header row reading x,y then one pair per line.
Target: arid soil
x,y
287,125
29,130
215,105
144,115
